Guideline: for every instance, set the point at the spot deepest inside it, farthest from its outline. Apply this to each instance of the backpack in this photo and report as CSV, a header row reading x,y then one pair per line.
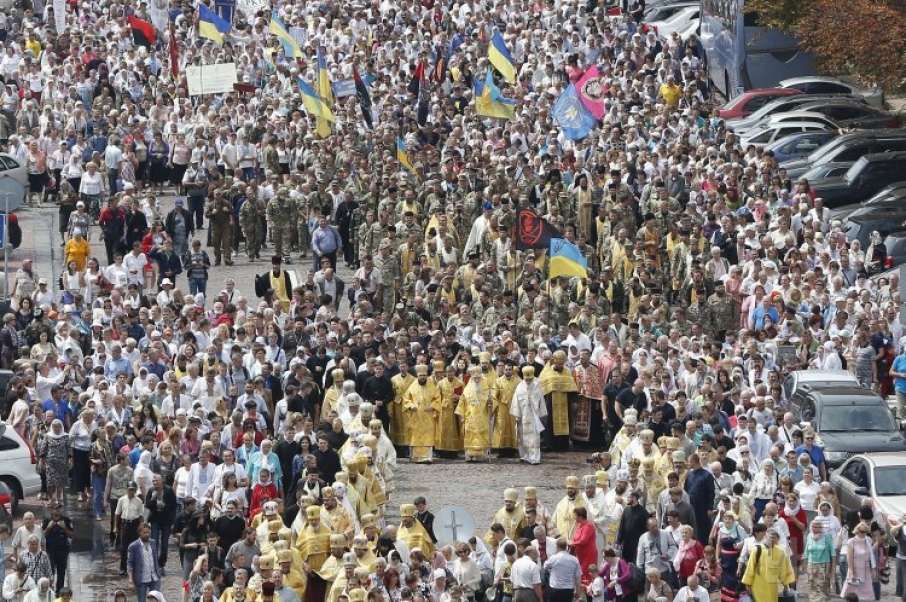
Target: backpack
x,y
637,579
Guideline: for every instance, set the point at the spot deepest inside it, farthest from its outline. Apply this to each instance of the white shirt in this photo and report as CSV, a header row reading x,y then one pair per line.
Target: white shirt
x,y
199,480
135,266
687,594
525,573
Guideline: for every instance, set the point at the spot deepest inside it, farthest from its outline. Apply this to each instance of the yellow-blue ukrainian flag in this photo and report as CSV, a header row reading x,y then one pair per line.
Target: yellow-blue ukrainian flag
x,y
566,260
278,29
322,126
211,25
313,103
402,155
501,58
489,102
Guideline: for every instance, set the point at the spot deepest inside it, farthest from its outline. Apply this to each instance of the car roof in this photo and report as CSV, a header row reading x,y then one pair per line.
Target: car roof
x,y
846,395
883,458
806,376
776,125
890,156
787,114
813,78
848,101
883,214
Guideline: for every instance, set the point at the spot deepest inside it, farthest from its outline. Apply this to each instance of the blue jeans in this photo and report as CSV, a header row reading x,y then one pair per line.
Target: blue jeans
x,y
161,534
98,483
142,589
198,285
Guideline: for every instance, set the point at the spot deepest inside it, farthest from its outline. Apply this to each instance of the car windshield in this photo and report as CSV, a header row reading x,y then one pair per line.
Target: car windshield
x,y
855,418
890,480
857,167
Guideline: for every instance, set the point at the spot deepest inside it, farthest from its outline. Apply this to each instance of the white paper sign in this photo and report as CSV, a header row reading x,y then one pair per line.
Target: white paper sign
x,y
59,16
211,79
250,7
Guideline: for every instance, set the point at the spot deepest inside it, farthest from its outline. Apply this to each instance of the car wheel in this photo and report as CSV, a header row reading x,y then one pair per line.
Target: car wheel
x,y
15,494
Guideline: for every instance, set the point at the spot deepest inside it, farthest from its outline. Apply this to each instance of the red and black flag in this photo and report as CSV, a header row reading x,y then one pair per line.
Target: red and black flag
x,y
361,92
533,231
418,78
142,32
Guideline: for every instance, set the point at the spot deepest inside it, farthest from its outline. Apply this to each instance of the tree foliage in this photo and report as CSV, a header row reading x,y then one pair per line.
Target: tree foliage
x,y
864,38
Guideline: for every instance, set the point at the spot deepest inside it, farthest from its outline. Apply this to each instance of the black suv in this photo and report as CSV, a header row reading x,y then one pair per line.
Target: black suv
x,y
849,147
848,420
866,177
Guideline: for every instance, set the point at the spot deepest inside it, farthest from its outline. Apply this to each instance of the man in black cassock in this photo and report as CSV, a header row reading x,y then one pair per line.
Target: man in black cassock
x,y
632,525
700,487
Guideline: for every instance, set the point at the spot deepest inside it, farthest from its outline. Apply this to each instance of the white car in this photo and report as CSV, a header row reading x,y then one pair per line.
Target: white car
x,y
11,168
19,462
771,132
790,116
815,84
680,22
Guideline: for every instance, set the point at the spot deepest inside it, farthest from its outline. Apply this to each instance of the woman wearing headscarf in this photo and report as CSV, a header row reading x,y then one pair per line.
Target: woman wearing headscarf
x,y
54,461
820,557
763,487
192,540
861,564
42,593
143,473
730,538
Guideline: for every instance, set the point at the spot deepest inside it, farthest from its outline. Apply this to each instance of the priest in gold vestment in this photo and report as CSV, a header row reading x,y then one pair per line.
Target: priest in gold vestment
x,y
447,439
413,532
503,439
422,406
564,519
475,411
560,393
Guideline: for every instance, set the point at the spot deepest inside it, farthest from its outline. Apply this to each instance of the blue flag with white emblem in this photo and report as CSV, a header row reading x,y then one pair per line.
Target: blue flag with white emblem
x,y
575,120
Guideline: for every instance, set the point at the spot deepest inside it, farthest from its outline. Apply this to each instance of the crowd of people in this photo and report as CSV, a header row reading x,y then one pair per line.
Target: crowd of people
x,y
260,433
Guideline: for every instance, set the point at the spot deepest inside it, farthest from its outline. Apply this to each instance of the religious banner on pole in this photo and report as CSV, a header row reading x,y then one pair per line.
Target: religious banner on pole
x,y
159,14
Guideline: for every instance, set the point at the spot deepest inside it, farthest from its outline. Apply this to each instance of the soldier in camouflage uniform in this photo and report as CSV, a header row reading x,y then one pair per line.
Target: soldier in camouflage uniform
x,y
699,312
724,310
560,305
250,220
680,323
388,264
279,215
378,233
303,214
364,235
355,222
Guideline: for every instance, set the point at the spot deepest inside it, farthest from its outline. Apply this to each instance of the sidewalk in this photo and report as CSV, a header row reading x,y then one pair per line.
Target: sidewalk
x,y
40,242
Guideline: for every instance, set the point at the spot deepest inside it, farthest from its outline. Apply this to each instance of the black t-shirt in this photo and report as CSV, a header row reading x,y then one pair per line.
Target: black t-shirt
x,y
56,538
611,392
631,399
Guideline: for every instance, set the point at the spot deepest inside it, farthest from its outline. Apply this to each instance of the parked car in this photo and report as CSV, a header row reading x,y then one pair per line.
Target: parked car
x,y
19,463
827,170
800,145
750,101
817,118
896,248
679,22
880,477
865,219
849,147
662,12
784,104
772,132
814,84
848,420
816,379
11,168
894,192
867,176
854,114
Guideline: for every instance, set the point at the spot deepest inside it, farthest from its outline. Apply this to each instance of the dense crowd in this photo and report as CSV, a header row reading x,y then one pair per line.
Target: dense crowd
x,y
259,428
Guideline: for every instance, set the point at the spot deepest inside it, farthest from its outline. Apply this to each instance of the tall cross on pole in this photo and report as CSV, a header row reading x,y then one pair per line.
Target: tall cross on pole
x,y
454,525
